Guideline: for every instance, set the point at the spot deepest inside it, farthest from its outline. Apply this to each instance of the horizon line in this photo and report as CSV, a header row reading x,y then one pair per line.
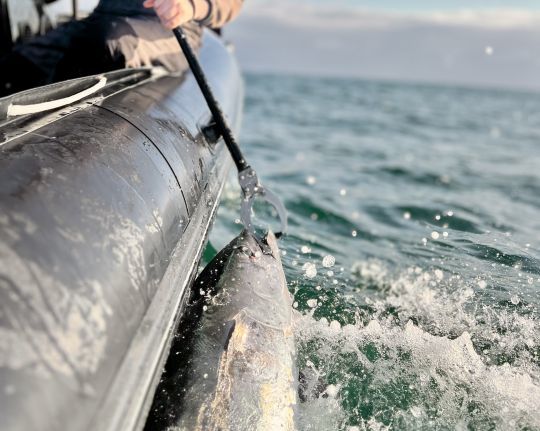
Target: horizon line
x,y
398,81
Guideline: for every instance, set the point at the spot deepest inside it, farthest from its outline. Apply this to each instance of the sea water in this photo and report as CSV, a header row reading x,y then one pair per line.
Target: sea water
x,y
413,252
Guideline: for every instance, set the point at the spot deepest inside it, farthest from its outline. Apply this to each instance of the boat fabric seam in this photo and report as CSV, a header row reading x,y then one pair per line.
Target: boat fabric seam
x,y
156,147
143,405
140,198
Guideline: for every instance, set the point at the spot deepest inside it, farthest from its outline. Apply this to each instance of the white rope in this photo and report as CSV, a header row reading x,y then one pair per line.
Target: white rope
x,y
16,110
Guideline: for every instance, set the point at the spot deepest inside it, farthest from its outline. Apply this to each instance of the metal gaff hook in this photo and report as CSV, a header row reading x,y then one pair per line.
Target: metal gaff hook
x,y
251,189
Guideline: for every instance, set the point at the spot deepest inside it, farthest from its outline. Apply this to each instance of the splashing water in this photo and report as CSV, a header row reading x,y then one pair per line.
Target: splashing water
x,y
413,250
401,363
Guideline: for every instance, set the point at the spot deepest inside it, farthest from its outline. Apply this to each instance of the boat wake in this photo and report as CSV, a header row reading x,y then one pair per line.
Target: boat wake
x,y
423,353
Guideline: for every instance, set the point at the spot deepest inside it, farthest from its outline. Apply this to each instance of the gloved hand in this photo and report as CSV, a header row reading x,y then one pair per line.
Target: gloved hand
x,y
174,13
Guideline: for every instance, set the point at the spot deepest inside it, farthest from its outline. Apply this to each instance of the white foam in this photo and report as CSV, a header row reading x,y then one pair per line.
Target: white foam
x,y
444,371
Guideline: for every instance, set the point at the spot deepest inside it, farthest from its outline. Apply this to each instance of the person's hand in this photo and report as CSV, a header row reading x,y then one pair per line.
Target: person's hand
x,y
172,13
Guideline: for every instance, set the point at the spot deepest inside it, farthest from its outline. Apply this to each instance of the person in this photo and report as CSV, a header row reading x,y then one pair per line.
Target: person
x,y
117,34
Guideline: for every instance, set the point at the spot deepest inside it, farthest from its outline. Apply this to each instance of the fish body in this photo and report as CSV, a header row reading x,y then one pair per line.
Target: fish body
x,y
242,373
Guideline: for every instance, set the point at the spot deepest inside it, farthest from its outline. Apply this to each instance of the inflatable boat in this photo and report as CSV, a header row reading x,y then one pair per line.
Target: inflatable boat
x,y
108,188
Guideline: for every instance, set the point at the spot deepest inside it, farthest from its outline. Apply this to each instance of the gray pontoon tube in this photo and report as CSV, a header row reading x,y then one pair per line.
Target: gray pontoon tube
x,y
105,205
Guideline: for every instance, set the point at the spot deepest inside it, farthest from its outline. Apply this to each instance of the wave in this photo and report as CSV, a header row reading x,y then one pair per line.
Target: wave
x,y
425,355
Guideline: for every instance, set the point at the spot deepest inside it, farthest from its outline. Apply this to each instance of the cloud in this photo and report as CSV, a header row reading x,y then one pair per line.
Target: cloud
x,y
303,14
496,19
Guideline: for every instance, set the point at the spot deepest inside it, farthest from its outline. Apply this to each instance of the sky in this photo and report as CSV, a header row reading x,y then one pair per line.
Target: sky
x,y
466,42
434,5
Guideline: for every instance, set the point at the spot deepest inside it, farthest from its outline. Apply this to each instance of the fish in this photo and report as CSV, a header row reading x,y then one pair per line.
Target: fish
x,y
241,372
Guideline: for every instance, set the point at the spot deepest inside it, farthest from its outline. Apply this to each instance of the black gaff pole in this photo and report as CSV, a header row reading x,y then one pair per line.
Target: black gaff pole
x,y
212,102
247,177
74,10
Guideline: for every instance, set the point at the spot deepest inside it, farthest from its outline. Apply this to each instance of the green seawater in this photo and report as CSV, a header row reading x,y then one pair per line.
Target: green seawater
x,y
428,200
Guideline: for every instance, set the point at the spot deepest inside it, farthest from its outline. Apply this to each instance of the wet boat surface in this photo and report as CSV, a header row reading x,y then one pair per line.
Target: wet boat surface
x,y
105,206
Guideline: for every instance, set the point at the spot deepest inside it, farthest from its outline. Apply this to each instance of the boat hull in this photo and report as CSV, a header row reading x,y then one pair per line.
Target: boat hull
x,y
104,211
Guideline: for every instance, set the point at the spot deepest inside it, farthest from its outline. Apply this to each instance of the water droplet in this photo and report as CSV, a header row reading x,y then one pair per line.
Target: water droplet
x,y
305,249
354,233
312,303
489,50
407,215
311,180
482,284
329,261
515,300
310,270
332,390
435,235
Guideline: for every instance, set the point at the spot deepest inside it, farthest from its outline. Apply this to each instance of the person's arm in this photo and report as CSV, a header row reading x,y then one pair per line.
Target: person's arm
x,y
211,13
220,12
